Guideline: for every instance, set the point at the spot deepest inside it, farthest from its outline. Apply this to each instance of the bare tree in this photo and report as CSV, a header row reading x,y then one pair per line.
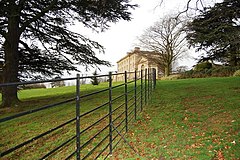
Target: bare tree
x,y
166,40
192,7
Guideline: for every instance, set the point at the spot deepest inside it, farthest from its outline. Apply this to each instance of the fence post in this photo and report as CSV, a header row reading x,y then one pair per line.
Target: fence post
x,y
78,116
126,100
154,78
110,113
148,83
151,80
141,90
145,87
135,95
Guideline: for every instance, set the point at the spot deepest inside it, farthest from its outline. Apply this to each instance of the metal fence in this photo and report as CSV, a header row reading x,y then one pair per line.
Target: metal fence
x,y
93,136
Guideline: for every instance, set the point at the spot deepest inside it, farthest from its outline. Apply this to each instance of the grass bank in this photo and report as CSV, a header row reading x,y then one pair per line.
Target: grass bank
x,y
24,128
188,119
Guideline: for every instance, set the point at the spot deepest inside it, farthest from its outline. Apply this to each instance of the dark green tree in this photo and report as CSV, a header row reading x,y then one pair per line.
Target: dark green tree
x,y
217,31
203,66
95,80
35,38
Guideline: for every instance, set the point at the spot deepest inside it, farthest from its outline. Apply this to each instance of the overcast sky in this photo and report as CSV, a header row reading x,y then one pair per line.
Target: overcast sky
x,y
121,37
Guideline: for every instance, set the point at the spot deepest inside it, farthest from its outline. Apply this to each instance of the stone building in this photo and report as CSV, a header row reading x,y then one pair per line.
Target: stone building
x,y
135,60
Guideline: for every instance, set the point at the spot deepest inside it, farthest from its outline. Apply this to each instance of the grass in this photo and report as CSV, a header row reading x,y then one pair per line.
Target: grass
x,y
188,119
21,129
185,119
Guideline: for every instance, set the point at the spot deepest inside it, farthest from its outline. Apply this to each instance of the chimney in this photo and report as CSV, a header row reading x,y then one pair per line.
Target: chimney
x,y
137,49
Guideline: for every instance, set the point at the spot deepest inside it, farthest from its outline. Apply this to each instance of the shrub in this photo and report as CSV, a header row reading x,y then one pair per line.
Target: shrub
x,y
224,71
203,66
33,86
237,73
59,83
187,74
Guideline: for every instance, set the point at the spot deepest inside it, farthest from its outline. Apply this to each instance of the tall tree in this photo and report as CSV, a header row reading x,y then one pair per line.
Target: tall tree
x,y
166,38
35,36
217,31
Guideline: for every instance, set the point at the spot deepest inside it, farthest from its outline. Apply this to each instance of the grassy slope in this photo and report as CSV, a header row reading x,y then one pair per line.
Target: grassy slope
x,y
189,119
21,129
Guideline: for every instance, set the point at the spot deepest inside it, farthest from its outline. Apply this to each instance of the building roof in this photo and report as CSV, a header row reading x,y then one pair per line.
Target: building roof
x,y
128,55
135,51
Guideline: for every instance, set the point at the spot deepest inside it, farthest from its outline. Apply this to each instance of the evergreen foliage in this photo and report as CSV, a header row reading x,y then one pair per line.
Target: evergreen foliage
x,y
217,31
35,38
202,66
95,80
43,37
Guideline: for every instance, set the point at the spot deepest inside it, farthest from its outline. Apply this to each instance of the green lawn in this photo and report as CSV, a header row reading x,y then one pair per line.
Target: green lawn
x,y
188,119
18,130
185,119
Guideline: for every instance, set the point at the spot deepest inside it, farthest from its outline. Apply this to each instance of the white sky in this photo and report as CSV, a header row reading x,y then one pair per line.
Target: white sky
x,y
121,37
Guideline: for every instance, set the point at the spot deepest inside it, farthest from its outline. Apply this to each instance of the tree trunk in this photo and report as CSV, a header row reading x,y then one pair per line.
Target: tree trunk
x,y
167,71
10,68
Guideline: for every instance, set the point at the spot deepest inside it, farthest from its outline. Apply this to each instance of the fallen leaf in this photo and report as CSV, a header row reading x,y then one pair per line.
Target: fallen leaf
x,y
220,155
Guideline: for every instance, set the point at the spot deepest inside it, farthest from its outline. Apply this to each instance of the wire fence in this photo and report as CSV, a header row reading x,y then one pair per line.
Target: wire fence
x,y
93,132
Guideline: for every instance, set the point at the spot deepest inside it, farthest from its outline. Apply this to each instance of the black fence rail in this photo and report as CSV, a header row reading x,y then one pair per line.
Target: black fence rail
x,y
85,132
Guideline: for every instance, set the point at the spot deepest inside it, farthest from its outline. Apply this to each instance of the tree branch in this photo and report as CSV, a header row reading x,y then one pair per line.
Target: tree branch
x,y
38,16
